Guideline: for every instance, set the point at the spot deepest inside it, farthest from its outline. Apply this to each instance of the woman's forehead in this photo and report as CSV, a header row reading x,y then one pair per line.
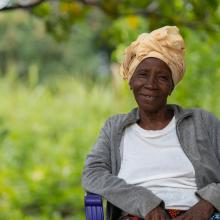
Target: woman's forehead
x,y
152,62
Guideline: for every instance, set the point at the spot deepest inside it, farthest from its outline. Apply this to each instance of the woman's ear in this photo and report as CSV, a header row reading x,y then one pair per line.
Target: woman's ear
x,y
130,85
171,90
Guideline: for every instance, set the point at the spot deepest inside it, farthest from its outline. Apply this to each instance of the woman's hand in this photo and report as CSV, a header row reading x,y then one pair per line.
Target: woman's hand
x,y
203,210
157,213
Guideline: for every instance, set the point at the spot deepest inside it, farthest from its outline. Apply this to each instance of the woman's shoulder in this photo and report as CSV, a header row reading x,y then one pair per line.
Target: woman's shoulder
x,y
201,112
123,119
197,113
194,111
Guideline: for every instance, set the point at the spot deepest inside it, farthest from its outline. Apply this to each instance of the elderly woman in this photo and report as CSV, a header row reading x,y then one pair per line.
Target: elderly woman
x,y
159,161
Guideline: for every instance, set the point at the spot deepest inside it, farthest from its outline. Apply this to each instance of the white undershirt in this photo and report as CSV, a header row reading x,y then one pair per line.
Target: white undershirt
x,y
155,160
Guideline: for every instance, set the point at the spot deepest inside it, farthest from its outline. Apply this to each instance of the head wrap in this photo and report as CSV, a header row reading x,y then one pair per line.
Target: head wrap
x,y
164,43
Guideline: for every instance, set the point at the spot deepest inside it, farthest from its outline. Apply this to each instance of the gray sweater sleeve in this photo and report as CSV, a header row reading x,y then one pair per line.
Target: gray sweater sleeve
x,y
211,192
98,178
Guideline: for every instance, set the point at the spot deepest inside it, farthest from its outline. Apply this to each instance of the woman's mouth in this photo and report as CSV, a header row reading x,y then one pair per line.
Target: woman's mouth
x,y
148,97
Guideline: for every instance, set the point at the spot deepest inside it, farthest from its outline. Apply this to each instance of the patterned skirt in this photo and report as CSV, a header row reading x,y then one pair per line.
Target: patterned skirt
x,y
173,213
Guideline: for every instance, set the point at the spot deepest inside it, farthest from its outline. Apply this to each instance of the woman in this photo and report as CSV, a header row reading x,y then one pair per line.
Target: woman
x,y
159,161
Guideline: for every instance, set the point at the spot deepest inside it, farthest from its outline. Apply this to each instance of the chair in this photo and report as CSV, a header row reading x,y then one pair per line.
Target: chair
x,y
93,207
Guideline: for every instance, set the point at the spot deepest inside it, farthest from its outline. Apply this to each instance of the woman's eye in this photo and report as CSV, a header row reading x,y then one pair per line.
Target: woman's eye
x,y
164,78
142,75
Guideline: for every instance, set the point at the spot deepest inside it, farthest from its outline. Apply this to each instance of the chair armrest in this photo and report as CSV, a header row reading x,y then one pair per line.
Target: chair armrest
x,y
93,207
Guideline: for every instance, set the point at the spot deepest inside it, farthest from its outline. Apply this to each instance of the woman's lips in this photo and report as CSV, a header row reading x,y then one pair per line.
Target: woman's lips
x,y
149,97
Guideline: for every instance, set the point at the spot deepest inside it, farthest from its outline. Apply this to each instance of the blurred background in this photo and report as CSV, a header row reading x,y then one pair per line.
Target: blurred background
x,y
59,81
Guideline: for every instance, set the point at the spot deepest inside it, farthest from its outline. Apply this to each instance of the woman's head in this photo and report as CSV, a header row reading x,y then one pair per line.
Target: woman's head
x,y
164,43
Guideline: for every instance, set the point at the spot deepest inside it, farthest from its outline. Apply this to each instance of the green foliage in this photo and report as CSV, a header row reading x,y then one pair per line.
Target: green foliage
x,y
25,45
66,14
91,35
122,32
45,133
194,14
200,86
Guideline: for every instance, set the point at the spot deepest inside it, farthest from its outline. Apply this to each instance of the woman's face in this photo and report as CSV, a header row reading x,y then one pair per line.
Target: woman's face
x,y
151,84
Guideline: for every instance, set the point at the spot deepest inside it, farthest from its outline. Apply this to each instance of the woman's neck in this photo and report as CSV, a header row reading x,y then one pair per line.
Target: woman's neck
x,y
155,120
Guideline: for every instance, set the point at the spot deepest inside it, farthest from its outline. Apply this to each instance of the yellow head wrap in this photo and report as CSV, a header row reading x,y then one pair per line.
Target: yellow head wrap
x,y
164,43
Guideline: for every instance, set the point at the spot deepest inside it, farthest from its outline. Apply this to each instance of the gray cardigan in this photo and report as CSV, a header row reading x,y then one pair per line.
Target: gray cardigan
x,y
199,135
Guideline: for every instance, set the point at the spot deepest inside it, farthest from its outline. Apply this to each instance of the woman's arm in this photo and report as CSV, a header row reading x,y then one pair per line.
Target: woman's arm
x,y
97,178
203,210
211,192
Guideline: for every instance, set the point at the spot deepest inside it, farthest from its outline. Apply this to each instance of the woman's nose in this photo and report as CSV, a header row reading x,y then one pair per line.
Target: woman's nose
x,y
151,82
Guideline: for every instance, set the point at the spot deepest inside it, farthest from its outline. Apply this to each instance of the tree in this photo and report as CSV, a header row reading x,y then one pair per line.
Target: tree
x,y
190,13
6,5
115,23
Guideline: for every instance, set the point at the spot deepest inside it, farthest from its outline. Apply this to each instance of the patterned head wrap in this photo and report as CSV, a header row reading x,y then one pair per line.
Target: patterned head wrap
x,y
164,43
